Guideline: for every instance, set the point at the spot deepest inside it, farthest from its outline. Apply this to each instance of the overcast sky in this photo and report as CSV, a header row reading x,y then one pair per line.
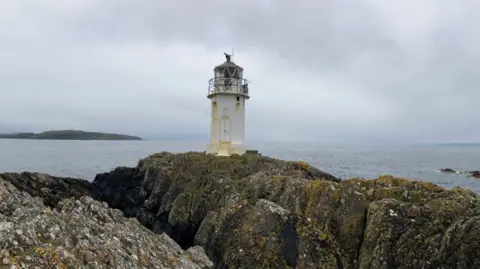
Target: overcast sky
x,y
367,70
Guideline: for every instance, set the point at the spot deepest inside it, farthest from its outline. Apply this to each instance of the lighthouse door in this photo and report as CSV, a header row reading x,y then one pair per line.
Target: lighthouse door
x,y
225,130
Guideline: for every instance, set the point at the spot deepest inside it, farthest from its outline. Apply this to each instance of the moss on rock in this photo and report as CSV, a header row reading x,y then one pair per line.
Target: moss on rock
x,y
257,212
233,205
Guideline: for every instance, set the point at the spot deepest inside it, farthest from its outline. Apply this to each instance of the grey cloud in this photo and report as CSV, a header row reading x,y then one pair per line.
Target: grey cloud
x,y
336,70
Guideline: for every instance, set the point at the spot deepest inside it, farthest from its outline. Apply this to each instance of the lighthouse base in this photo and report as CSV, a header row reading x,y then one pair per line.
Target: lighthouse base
x,y
225,149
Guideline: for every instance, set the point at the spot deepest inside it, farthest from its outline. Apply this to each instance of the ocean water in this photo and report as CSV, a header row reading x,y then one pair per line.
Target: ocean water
x,y
85,159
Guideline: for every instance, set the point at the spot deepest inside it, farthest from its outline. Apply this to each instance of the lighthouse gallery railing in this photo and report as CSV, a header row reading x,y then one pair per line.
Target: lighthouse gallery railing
x,y
228,85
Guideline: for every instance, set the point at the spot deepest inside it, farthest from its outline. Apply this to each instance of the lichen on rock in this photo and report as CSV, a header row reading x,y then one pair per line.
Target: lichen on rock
x,y
82,233
230,207
259,212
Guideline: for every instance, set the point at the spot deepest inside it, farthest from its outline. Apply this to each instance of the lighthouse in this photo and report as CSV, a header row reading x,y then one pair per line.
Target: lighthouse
x,y
227,91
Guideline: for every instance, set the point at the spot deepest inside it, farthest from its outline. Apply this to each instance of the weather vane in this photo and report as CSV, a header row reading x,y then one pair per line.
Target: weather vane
x,y
229,56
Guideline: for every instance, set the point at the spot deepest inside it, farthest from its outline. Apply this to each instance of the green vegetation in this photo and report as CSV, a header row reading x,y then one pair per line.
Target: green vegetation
x,y
70,135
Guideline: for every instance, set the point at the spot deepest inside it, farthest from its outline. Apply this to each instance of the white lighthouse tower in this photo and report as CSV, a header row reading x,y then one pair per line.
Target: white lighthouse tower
x,y
227,91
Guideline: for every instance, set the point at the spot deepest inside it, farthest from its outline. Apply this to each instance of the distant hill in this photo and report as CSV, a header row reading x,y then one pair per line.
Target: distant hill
x,y
69,135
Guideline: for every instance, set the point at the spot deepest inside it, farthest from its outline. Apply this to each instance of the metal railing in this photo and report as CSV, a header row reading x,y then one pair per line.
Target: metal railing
x,y
237,86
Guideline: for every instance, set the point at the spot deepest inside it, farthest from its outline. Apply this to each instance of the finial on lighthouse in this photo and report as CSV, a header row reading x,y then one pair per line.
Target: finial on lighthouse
x,y
228,56
228,91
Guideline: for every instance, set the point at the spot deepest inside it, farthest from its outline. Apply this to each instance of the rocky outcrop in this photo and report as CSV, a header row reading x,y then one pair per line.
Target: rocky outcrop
x,y
475,173
80,233
173,193
51,189
447,170
257,212
122,189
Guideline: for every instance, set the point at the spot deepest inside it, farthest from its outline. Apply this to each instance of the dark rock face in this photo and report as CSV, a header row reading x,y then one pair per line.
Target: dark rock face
x,y
261,235
410,235
455,251
122,189
447,170
475,174
51,189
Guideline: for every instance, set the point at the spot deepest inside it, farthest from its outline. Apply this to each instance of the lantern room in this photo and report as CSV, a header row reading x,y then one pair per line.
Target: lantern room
x,y
228,79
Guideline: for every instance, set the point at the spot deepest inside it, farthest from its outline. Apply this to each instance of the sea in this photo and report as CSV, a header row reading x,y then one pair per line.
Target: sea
x,y
85,159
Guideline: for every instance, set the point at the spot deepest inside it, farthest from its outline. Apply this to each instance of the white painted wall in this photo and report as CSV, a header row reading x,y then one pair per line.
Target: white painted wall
x,y
228,119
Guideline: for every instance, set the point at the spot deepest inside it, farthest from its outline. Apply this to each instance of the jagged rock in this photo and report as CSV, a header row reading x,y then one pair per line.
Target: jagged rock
x,y
122,189
338,225
172,193
447,170
399,234
51,189
475,174
252,236
82,234
264,213
455,251
258,212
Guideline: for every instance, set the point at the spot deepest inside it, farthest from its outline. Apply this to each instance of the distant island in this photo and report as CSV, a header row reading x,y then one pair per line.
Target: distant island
x,y
69,135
